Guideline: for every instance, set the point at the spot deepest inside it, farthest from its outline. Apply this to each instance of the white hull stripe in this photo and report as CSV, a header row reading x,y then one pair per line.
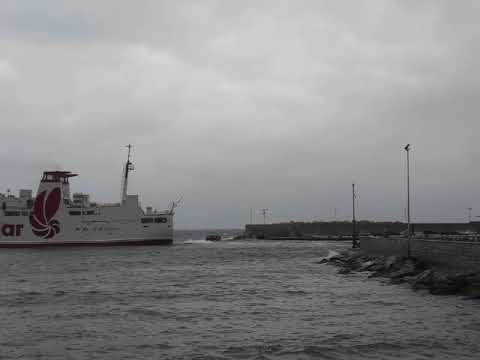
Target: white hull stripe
x,y
30,244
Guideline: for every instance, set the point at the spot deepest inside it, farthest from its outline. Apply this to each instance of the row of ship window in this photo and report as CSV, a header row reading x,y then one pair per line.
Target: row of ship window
x,y
17,213
76,213
151,220
148,220
87,229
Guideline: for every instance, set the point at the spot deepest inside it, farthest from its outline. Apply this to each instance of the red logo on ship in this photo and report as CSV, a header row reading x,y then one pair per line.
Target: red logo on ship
x,y
44,210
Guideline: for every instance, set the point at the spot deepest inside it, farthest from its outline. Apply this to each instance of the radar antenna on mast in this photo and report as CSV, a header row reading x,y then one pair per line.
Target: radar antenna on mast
x,y
128,167
174,204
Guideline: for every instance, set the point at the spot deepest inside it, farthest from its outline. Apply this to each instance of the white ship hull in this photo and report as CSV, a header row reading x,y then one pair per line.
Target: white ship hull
x,y
15,232
123,224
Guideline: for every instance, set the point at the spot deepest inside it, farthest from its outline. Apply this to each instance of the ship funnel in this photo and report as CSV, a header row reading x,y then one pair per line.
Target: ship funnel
x,y
53,179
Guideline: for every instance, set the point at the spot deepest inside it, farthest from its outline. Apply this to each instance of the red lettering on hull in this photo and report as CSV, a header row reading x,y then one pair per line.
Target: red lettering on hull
x,y
11,229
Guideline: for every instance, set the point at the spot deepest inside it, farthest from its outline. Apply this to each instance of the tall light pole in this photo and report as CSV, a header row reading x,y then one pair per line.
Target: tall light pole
x,y
469,214
354,230
264,213
407,149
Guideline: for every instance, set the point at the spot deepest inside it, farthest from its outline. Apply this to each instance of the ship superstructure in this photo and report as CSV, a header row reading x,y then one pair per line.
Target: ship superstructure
x,y
54,217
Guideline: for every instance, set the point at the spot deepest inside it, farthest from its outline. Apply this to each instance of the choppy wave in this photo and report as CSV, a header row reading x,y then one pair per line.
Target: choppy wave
x,y
199,241
231,300
331,254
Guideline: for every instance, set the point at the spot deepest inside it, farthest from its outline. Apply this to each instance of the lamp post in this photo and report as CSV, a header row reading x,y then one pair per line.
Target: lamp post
x,y
264,213
407,149
354,230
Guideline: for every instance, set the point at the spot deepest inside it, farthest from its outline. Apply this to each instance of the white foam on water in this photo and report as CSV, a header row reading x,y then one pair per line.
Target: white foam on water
x,y
331,254
190,241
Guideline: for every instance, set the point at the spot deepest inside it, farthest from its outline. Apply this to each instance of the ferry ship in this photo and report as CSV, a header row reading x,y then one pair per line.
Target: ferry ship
x,y
54,218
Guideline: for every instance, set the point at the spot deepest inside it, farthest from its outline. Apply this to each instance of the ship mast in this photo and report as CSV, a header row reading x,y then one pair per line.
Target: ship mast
x,y
128,167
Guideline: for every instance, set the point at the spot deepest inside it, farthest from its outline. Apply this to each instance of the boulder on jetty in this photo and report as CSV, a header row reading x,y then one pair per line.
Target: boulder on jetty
x,y
408,270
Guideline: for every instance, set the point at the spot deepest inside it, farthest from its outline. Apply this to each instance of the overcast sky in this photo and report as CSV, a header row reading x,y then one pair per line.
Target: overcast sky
x,y
247,104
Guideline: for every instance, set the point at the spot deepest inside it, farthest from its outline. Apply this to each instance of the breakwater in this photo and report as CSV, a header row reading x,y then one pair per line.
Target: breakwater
x,y
299,230
455,255
437,250
413,271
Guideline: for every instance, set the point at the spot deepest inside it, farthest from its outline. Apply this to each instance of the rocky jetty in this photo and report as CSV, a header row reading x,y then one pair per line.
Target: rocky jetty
x,y
417,274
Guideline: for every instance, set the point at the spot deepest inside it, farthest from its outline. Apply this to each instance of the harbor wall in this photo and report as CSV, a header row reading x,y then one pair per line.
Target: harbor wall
x,y
461,255
301,229
337,228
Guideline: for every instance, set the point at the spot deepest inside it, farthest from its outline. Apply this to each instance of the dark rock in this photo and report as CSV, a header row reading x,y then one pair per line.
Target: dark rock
x,y
472,289
344,270
338,261
400,263
366,265
379,273
423,280
412,271
378,266
390,261
407,269
443,284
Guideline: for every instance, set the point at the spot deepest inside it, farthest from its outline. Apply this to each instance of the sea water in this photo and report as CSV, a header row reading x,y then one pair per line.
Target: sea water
x,y
240,299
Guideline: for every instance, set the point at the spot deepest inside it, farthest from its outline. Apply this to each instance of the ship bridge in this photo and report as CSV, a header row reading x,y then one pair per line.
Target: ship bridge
x,y
57,176
50,179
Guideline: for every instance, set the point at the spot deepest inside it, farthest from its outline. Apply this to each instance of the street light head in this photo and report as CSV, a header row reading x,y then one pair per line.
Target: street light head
x,y
407,148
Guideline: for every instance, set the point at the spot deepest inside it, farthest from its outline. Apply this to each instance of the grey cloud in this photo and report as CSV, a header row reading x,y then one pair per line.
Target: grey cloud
x,y
247,104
